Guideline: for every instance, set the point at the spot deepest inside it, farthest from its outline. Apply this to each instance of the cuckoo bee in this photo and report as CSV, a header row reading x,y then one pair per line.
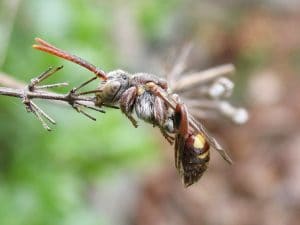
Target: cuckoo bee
x,y
149,97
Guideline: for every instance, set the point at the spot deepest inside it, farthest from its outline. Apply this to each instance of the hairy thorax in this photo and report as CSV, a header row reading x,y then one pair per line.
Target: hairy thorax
x,y
144,107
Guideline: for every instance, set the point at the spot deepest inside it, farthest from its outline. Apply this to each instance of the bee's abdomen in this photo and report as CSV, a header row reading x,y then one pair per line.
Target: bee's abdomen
x,y
195,158
198,146
201,146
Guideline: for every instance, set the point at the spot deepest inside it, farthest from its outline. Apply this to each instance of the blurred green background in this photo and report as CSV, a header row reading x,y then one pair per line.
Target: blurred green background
x,y
107,172
45,178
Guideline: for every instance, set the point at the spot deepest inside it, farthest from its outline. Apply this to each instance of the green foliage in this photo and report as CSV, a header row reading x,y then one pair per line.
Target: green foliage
x,y
153,16
44,177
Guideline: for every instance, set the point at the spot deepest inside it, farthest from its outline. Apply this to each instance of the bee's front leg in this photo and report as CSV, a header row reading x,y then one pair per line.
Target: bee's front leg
x,y
127,102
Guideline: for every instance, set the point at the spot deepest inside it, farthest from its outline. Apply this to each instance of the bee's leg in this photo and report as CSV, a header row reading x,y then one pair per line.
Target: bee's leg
x,y
181,117
158,91
159,109
127,101
168,137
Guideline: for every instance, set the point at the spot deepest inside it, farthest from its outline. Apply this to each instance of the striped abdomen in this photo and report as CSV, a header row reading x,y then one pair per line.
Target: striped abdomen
x,y
193,157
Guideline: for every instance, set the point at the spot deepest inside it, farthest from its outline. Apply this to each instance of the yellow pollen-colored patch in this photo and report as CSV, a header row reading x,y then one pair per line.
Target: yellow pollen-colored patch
x,y
199,141
140,90
150,85
203,155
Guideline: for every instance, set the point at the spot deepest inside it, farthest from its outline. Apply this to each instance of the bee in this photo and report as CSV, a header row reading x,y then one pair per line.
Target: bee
x,y
151,100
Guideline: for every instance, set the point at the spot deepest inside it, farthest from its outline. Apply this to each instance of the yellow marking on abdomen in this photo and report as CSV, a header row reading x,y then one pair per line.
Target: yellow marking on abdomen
x,y
203,155
199,141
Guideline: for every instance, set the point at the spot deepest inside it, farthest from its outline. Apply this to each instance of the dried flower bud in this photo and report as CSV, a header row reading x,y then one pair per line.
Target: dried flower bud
x,y
237,115
222,87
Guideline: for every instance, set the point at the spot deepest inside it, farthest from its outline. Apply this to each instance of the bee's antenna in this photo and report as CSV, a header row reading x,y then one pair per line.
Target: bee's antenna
x,y
46,47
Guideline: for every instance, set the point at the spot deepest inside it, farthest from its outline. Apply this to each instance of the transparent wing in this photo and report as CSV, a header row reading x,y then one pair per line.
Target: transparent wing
x,y
214,144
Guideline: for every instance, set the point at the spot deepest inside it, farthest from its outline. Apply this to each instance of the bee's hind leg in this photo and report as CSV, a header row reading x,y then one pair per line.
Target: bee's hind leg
x,y
168,137
127,103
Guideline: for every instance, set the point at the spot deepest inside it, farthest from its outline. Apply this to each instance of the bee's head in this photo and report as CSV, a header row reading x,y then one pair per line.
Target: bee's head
x,y
114,86
119,76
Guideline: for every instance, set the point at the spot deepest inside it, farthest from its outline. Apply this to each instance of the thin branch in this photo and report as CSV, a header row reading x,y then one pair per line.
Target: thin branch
x,y
180,64
20,93
195,79
90,92
80,110
43,113
84,84
39,117
32,91
47,86
90,107
43,76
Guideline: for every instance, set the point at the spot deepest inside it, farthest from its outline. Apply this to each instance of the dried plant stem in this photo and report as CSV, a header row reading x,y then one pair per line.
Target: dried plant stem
x,y
180,64
21,93
196,79
27,93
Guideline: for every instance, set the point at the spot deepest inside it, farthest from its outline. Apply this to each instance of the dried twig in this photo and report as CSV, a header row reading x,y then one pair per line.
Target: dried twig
x,y
179,65
206,93
195,79
34,90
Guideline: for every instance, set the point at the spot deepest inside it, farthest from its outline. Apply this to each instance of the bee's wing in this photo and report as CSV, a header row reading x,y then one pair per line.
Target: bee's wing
x,y
179,148
214,144
185,84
